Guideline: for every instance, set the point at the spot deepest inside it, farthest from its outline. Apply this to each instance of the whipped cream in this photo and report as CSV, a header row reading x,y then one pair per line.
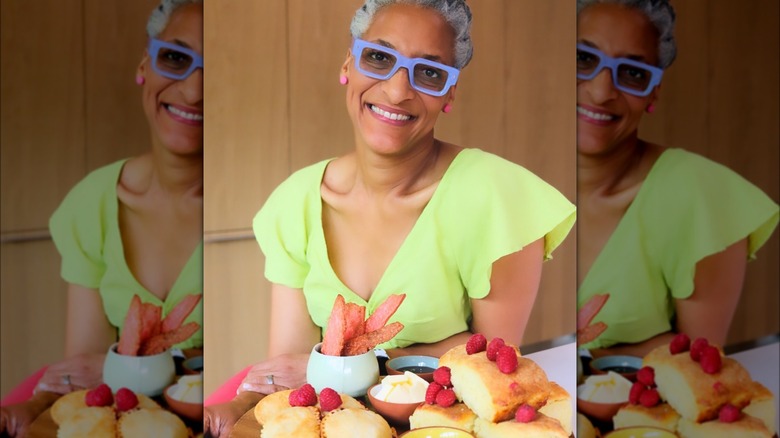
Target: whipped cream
x,y
405,388
189,389
605,388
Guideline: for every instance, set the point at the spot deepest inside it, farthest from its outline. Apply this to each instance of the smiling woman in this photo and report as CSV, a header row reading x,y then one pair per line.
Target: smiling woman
x,y
133,227
462,232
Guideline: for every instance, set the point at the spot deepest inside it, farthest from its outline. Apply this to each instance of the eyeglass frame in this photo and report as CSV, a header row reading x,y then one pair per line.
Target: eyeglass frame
x,y
606,61
408,63
154,48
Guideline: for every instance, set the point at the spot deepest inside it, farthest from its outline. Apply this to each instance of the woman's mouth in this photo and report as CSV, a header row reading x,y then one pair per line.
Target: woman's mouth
x,y
184,116
389,115
593,115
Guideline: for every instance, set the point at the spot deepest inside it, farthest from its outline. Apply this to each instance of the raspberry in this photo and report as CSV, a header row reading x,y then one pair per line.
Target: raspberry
x,y
636,392
446,398
649,398
646,375
100,396
493,347
442,376
525,413
476,343
303,396
697,347
431,392
680,343
506,359
126,399
710,360
329,399
729,413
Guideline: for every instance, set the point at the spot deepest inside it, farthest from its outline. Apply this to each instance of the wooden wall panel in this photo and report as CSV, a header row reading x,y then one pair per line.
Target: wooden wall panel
x,y
113,99
32,310
721,99
246,109
41,110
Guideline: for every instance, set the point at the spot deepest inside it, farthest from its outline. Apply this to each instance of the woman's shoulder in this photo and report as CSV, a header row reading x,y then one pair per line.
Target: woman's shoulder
x,y
92,190
302,180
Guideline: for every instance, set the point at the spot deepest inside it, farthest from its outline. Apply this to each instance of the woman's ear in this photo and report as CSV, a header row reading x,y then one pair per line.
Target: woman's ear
x,y
346,64
141,70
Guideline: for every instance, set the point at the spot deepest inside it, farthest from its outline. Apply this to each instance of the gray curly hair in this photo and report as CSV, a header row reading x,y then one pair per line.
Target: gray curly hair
x,y
660,13
161,14
455,12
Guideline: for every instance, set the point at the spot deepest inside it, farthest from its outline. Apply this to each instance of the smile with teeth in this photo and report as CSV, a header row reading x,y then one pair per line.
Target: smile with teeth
x,y
184,114
592,115
389,115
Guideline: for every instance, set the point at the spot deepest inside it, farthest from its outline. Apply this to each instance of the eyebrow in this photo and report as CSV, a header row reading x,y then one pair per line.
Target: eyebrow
x,y
639,58
179,42
382,42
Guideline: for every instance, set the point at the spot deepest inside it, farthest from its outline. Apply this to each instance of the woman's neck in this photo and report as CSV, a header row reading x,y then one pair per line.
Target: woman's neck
x,y
396,175
611,172
177,175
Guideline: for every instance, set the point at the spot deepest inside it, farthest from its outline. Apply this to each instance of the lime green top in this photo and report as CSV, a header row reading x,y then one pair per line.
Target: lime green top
x,y
85,229
484,208
687,209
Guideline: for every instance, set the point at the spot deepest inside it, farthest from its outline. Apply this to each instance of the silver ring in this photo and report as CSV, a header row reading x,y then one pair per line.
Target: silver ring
x,y
269,379
66,379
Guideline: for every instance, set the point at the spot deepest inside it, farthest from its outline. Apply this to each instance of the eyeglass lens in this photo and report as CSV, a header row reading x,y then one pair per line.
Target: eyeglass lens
x,y
381,63
172,61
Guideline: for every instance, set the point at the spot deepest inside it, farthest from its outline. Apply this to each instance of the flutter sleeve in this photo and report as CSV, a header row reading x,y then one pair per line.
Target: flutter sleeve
x,y
717,209
502,208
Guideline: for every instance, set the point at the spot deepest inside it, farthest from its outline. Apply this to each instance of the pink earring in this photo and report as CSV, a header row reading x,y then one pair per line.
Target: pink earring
x,y
343,80
650,108
447,108
139,79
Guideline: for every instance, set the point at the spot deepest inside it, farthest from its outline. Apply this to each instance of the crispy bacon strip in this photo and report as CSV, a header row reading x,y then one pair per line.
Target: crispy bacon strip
x,y
130,339
163,341
179,313
382,314
355,317
334,332
591,332
368,341
590,309
150,321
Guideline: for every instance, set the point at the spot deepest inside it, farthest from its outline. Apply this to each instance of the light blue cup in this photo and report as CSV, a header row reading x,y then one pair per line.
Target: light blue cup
x,y
149,375
351,375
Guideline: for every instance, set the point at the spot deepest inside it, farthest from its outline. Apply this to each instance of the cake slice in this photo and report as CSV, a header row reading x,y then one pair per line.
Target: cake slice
x,y
762,406
745,427
694,394
299,422
541,427
457,415
491,394
661,416
559,407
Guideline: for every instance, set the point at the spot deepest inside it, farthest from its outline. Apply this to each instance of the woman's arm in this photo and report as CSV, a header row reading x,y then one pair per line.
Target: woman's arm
x,y
87,328
504,312
708,312
292,329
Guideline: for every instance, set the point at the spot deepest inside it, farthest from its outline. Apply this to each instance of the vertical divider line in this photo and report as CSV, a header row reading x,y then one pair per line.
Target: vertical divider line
x,y
288,62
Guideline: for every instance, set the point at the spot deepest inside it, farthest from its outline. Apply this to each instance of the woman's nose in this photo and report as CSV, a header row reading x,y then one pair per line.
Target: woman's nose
x,y
601,88
192,87
397,87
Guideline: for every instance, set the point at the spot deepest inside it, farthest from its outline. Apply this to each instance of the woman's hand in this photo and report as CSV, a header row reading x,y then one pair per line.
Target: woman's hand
x,y
218,420
78,372
16,419
285,371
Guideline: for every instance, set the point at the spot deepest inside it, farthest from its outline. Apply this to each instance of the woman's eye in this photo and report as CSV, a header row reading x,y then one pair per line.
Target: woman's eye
x,y
378,56
176,56
636,73
431,73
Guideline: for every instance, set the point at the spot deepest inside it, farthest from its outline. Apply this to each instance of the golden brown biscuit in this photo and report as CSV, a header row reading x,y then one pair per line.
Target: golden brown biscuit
x,y
270,405
93,422
491,394
303,422
457,415
694,394
67,405
151,423
585,428
661,416
762,406
355,423
559,406
542,427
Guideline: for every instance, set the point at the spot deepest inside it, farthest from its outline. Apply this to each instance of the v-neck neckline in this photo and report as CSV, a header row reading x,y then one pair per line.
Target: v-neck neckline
x,y
118,235
378,291
601,258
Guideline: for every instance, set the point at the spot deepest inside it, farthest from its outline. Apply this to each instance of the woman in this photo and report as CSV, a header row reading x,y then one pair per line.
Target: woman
x,y
666,233
134,226
463,233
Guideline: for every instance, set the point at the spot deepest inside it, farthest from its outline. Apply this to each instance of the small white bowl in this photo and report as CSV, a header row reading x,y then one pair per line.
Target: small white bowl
x,y
148,375
351,375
